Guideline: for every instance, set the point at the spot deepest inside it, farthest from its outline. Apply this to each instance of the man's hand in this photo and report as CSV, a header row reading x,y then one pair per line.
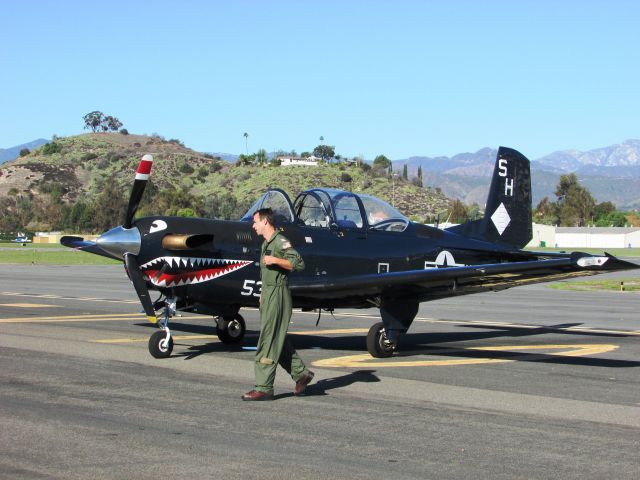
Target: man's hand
x,y
280,262
270,260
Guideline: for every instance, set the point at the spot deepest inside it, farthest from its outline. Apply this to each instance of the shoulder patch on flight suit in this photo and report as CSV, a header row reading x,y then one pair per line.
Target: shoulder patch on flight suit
x,y
285,244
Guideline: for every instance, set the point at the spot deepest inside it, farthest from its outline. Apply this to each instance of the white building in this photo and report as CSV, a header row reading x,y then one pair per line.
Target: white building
x,y
311,161
597,237
584,237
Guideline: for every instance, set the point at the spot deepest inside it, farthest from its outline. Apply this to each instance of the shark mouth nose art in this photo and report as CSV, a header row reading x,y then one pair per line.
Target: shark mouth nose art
x,y
177,271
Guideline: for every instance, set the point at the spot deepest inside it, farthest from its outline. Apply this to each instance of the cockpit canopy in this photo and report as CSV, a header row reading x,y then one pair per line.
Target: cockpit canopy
x,y
331,208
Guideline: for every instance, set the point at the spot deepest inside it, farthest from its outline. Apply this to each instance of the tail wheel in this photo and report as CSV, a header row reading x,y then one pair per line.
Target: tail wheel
x,y
377,344
158,346
231,330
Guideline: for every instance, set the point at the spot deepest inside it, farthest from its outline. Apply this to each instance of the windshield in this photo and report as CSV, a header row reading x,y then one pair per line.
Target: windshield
x,y
382,216
276,200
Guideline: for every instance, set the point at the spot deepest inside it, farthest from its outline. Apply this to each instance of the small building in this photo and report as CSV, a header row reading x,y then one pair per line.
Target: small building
x,y
54,237
311,161
597,237
47,237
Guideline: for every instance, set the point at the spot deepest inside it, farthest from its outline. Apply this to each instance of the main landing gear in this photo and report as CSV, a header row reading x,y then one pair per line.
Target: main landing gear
x,y
231,329
378,345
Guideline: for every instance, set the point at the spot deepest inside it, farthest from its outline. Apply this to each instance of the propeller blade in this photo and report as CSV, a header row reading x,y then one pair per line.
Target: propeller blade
x,y
142,176
80,243
140,285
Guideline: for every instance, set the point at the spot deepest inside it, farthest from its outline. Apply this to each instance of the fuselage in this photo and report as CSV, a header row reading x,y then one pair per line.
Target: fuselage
x,y
224,269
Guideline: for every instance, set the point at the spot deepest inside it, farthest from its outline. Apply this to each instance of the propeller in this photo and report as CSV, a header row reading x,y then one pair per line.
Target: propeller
x,y
124,242
142,176
133,267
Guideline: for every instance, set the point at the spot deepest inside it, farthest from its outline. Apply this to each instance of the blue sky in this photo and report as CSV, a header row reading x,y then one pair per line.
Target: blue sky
x,y
399,78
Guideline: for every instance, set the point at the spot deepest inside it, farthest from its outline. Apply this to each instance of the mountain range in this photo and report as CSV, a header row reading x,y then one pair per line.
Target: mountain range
x,y
610,173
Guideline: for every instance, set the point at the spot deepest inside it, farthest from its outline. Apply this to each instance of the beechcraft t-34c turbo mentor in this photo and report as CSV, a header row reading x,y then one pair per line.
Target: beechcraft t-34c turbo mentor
x,y
359,253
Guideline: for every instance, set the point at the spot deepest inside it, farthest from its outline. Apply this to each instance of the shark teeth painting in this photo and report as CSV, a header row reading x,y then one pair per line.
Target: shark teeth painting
x,y
178,271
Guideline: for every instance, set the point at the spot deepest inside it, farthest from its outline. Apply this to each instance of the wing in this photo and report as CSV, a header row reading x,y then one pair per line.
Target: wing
x,y
444,282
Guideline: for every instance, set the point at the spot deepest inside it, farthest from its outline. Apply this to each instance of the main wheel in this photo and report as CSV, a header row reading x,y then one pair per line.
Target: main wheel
x,y
231,330
158,347
377,344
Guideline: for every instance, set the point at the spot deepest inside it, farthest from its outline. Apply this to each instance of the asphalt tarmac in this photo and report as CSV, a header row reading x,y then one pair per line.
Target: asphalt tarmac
x,y
527,383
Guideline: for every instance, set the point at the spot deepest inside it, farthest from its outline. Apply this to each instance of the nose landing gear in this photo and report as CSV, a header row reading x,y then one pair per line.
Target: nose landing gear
x,y
161,342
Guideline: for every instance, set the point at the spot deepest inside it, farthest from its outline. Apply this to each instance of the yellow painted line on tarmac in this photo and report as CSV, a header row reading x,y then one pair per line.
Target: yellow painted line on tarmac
x,y
366,360
335,331
62,297
76,318
25,305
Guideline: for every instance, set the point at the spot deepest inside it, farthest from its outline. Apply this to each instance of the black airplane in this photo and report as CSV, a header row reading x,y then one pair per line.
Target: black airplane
x,y
359,252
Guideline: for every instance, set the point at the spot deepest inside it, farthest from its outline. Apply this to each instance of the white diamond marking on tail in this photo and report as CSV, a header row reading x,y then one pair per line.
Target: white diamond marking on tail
x,y
501,218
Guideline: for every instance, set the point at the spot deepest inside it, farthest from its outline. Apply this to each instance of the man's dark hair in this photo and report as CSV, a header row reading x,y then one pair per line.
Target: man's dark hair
x,y
265,214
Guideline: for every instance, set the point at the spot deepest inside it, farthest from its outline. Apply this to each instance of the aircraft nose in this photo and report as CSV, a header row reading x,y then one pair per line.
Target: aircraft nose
x,y
120,240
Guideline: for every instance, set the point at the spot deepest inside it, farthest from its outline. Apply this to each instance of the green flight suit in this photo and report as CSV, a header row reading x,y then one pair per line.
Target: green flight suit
x,y
275,313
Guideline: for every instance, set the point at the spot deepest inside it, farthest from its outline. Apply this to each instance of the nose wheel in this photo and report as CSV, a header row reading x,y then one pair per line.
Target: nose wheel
x,y
161,342
231,330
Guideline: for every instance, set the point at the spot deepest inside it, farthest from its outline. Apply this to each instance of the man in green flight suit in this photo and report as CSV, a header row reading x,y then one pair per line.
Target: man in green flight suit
x,y
277,260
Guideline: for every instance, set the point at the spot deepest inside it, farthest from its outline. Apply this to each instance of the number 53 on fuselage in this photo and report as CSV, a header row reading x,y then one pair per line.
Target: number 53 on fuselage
x,y
359,252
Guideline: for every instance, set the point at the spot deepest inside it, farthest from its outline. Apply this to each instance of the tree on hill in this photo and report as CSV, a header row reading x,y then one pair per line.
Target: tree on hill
x,y
458,212
325,152
381,163
98,121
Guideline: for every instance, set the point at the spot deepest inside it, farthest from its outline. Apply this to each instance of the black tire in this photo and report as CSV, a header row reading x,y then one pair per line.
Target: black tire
x,y
376,342
157,348
231,330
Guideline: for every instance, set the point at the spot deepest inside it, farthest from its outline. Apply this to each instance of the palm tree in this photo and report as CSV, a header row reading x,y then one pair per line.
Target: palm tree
x,y
246,145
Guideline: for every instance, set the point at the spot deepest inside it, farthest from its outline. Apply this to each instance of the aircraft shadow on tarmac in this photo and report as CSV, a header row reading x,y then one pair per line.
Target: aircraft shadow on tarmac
x,y
415,344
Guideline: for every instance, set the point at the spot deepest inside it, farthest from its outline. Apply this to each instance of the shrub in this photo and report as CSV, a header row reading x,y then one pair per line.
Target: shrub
x,y
345,177
124,131
88,156
186,168
51,148
102,164
24,152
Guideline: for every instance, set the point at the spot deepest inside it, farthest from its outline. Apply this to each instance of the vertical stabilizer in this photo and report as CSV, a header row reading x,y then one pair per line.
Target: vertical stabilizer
x,y
507,217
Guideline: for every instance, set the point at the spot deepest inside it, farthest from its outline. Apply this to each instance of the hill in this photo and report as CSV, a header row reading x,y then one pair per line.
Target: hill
x,y
97,170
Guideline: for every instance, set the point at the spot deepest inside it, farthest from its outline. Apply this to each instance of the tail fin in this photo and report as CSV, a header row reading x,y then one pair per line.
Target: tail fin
x,y
507,216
